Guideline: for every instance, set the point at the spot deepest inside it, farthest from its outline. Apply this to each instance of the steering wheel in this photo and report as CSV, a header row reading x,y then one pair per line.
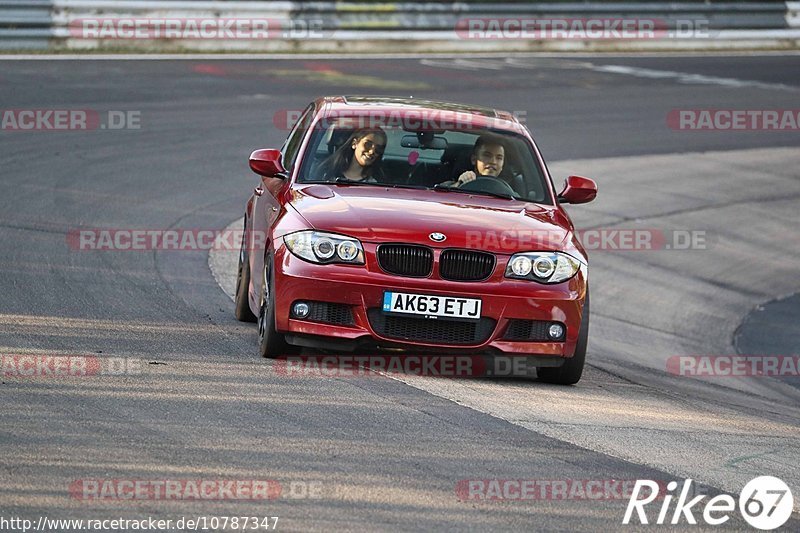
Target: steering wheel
x,y
489,184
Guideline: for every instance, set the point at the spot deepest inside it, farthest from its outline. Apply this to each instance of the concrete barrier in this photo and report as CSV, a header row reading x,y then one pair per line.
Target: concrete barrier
x,y
276,26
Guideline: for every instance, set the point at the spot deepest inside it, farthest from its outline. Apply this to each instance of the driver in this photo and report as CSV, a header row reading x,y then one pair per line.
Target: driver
x,y
488,156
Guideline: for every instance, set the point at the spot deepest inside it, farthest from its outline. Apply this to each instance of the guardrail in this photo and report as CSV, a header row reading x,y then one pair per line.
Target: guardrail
x,y
412,27
25,24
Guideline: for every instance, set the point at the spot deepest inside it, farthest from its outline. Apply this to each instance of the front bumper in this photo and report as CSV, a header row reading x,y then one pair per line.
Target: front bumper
x,y
362,287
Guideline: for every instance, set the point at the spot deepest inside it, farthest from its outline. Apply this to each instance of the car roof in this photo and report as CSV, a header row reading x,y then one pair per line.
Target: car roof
x,y
333,105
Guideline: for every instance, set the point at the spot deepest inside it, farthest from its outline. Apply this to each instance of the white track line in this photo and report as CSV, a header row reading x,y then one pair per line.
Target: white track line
x,y
654,74
689,79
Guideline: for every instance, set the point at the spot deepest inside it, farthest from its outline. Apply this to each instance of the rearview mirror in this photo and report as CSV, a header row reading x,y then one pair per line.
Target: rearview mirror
x,y
425,142
267,163
578,190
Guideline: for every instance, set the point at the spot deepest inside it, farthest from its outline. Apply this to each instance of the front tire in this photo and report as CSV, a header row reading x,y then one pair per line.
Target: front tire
x,y
271,343
571,371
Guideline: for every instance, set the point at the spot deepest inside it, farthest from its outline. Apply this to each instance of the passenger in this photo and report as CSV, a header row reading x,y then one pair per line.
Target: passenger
x,y
358,159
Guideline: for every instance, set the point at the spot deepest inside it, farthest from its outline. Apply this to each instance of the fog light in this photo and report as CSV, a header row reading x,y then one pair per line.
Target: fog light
x,y
555,331
300,309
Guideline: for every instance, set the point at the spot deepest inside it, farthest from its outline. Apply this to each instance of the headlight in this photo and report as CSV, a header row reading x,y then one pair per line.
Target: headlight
x,y
324,248
319,247
347,250
520,266
544,267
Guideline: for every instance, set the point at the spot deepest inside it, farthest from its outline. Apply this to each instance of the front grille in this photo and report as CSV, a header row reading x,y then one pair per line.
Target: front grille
x,y
330,313
465,265
406,260
430,330
527,330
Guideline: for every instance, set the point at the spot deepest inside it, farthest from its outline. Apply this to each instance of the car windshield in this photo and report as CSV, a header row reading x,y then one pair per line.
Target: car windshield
x,y
503,163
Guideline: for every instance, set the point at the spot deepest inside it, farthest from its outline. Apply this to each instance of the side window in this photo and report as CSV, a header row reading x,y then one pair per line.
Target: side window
x,y
292,145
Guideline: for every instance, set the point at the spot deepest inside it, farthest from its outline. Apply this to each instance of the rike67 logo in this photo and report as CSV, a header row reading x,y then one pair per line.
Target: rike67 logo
x,y
766,503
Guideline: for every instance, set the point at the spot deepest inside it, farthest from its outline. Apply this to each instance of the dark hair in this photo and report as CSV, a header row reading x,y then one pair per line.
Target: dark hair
x,y
340,160
487,139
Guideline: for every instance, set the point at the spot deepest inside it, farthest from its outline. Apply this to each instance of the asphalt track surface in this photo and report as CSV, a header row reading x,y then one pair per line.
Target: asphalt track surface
x,y
388,452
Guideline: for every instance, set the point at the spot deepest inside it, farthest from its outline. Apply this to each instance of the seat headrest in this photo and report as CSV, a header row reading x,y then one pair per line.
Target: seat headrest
x,y
456,153
337,137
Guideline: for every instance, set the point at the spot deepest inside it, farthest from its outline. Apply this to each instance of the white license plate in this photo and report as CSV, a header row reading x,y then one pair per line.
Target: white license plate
x,y
432,306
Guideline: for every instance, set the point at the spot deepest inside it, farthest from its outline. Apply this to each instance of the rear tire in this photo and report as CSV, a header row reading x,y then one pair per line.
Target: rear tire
x,y
242,300
271,343
571,371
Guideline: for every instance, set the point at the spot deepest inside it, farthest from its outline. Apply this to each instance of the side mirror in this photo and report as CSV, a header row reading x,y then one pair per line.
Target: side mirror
x,y
267,163
578,190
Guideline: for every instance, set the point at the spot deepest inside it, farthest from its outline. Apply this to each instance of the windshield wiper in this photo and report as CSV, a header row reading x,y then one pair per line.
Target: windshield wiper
x,y
348,181
338,180
404,186
440,187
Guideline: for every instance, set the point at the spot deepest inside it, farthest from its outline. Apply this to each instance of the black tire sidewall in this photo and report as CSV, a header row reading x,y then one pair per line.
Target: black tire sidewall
x,y
272,344
242,296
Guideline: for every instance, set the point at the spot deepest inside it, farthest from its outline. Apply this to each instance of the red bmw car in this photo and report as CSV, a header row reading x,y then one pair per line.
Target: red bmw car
x,y
420,225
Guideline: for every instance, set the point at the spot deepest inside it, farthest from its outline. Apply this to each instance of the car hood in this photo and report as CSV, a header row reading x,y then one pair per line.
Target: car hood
x,y
381,214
